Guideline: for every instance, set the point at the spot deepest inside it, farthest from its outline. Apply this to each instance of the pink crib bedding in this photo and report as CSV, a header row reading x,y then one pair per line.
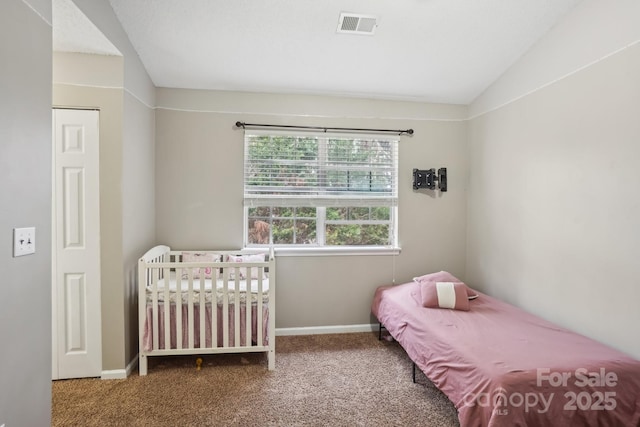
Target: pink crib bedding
x,y
231,328
502,366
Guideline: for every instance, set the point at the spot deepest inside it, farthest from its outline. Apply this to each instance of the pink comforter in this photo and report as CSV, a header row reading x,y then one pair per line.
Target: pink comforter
x,y
502,366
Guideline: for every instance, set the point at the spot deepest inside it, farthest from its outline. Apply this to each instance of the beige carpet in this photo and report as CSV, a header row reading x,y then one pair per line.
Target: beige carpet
x,y
320,380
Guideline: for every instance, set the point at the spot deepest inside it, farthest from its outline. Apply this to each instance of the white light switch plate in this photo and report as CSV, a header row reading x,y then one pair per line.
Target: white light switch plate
x,y
24,241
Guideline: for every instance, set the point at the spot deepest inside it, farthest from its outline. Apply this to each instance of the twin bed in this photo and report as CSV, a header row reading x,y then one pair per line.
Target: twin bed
x,y
502,366
205,302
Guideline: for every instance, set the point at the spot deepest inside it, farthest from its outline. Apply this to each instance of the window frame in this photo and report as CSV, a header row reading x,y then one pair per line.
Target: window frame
x,y
320,248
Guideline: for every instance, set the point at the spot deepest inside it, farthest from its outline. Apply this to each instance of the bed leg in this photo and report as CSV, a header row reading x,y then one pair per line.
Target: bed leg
x,y
380,328
142,365
414,373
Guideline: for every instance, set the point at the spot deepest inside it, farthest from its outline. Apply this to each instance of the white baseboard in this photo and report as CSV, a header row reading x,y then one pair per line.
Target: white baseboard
x,y
115,374
131,366
315,330
120,374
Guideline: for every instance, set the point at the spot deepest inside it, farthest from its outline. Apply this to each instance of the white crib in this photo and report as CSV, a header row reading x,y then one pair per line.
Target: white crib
x,y
205,302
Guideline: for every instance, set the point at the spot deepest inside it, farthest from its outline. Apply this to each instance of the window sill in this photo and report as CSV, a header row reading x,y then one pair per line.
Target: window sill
x,y
336,251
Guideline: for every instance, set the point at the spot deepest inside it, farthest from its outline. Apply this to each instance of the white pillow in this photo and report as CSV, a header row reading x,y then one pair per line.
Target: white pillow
x,y
199,257
243,271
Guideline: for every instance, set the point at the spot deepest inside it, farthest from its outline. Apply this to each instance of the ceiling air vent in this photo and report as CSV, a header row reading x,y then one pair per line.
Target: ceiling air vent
x,y
352,23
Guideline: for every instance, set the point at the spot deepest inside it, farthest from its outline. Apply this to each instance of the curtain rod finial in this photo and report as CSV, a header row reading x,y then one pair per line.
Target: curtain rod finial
x,y
239,125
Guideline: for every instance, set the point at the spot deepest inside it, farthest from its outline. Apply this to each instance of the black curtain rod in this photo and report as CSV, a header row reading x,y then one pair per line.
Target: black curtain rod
x,y
244,125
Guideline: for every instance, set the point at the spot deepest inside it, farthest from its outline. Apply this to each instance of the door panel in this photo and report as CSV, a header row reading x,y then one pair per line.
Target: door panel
x,y
76,245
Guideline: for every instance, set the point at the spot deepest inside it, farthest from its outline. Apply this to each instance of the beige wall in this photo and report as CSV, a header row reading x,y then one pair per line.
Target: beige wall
x,y
25,194
138,206
131,183
95,81
199,191
554,218
590,32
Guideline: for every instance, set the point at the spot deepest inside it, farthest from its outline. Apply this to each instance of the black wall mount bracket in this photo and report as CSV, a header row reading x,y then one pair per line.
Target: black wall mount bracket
x,y
427,178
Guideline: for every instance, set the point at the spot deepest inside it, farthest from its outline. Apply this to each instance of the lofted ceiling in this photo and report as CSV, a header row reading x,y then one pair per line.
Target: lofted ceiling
x,y
74,32
445,51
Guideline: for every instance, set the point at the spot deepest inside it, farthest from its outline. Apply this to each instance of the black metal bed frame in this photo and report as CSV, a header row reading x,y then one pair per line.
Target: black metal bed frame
x,y
413,369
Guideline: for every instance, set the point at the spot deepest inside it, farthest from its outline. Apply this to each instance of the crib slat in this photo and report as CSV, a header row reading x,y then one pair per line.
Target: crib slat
x,y
178,306
154,305
177,309
167,308
247,307
236,309
214,318
259,309
225,308
203,308
190,316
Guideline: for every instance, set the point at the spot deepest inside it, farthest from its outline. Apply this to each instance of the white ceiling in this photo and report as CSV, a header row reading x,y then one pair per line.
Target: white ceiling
x,y
74,32
445,51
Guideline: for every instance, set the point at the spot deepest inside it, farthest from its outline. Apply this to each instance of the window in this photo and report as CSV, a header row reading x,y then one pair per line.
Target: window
x,y
320,190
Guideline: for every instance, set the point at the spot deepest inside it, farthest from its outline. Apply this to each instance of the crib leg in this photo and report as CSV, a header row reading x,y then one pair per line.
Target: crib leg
x,y
271,355
142,365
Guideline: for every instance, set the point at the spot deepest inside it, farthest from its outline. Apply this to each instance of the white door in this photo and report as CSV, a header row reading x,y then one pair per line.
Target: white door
x,y
77,340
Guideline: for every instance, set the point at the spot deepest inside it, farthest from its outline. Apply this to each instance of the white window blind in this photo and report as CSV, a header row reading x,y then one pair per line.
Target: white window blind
x,y
314,170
